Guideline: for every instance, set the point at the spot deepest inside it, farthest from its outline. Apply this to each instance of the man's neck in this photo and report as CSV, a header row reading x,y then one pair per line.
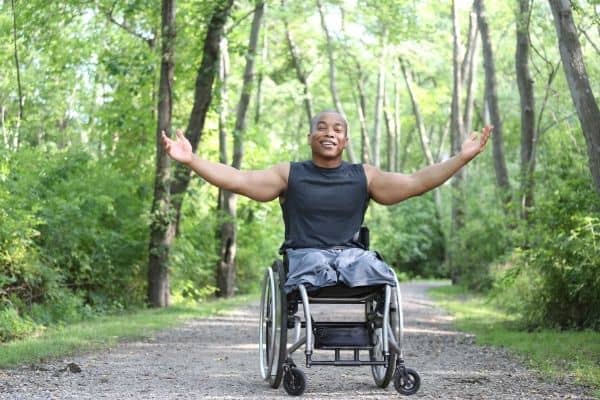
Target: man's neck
x,y
326,163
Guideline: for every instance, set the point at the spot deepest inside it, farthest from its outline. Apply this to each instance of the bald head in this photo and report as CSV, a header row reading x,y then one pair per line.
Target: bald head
x,y
314,122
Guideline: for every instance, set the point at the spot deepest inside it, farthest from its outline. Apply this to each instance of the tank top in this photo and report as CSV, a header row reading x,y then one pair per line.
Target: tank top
x,y
324,207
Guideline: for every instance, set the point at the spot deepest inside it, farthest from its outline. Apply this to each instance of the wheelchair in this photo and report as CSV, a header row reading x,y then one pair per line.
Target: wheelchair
x,y
380,333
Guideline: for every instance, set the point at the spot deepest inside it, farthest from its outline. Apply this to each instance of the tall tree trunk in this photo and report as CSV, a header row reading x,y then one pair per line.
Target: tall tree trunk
x,y
457,135
259,78
492,102
397,126
365,142
388,118
379,104
300,72
168,209
228,228
16,56
423,137
468,73
332,76
223,109
579,84
525,83
162,230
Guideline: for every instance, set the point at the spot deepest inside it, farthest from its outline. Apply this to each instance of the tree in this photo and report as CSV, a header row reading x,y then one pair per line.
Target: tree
x,y
525,83
457,135
227,200
162,232
491,96
579,84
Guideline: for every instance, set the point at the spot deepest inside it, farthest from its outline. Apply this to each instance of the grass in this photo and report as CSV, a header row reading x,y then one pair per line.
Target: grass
x,y
559,355
106,331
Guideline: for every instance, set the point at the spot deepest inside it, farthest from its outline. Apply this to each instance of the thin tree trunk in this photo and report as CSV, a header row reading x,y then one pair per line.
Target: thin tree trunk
x,y
390,136
397,126
365,143
525,84
259,79
223,109
16,56
379,105
579,84
332,76
162,230
456,132
300,72
418,118
468,73
492,102
228,230
423,137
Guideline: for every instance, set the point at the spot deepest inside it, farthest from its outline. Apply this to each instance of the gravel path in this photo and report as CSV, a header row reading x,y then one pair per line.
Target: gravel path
x,y
216,358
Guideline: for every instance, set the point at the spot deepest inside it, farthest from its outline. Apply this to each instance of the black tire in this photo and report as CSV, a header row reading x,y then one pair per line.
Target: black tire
x,y
280,320
407,383
382,375
294,381
265,325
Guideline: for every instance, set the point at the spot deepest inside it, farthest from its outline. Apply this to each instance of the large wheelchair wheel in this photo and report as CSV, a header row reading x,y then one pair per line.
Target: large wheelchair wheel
x,y
381,374
272,337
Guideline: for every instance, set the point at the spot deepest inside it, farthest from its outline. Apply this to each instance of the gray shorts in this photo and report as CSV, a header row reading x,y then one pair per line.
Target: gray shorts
x,y
317,268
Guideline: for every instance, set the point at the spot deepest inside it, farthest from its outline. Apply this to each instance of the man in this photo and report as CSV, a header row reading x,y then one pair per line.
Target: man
x,y
324,200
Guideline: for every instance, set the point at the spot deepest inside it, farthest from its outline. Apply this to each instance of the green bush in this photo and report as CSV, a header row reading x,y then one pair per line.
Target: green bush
x,y
73,234
564,257
13,325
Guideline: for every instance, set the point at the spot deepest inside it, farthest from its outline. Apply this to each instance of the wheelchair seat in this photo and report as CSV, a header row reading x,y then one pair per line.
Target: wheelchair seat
x,y
340,291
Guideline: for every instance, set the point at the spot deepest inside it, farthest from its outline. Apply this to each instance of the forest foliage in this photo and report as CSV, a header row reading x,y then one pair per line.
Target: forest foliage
x,y
78,98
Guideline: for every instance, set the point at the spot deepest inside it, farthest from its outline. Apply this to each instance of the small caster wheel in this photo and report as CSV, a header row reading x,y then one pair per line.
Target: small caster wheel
x,y
294,381
407,381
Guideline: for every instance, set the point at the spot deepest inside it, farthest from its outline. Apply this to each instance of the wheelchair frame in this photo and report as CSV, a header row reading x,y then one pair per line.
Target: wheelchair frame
x,y
381,335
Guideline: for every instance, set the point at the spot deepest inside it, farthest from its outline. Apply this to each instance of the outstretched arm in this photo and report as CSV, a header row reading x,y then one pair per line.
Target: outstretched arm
x,y
391,188
263,185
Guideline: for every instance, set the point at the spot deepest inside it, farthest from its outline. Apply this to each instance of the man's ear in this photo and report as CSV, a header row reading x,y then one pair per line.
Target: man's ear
x,y
308,138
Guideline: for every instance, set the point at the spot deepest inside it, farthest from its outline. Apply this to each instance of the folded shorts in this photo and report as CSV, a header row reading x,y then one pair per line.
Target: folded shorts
x,y
318,268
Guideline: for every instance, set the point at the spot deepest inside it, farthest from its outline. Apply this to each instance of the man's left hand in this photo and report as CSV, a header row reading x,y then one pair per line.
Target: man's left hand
x,y
475,144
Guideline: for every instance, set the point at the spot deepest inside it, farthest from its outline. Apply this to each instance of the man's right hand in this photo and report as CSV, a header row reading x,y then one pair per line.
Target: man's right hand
x,y
180,149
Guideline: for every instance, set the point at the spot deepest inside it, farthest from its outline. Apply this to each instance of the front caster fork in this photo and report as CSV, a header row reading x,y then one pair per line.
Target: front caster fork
x,y
406,380
294,380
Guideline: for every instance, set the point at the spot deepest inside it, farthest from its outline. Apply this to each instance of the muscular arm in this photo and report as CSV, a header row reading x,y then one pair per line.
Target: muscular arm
x,y
263,185
260,185
390,188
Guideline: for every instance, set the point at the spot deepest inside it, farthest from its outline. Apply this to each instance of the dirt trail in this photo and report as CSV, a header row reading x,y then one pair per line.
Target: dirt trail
x,y
217,358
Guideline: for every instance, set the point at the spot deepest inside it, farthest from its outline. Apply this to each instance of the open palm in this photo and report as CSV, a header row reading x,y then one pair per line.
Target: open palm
x,y
476,143
180,149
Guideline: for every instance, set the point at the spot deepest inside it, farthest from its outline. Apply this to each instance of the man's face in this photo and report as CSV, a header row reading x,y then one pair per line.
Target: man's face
x,y
329,138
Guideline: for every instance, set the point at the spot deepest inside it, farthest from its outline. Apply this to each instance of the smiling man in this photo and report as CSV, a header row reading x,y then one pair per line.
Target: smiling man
x,y
323,200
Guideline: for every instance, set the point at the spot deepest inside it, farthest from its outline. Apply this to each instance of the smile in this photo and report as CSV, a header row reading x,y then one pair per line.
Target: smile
x,y
328,143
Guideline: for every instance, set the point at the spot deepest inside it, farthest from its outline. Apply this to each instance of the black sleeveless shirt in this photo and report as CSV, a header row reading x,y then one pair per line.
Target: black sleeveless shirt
x,y
324,207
